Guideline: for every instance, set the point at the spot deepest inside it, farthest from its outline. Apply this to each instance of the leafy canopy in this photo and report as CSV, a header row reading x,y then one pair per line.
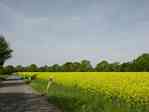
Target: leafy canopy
x,y
5,51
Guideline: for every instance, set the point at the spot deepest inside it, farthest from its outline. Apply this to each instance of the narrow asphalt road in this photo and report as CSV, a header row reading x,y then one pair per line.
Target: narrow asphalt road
x,y
16,96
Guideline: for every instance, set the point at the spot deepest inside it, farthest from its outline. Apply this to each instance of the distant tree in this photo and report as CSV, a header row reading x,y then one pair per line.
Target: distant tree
x,y
142,62
68,67
9,69
76,67
32,68
85,66
5,51
71,67
50,69
44,68
127,67
19,68
114,67
102,67
55,68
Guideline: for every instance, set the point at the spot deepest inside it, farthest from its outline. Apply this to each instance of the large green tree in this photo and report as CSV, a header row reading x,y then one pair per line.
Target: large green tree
x,y
86,66
55,68
114,67
5,50
32,68
142,63
103,66
68,67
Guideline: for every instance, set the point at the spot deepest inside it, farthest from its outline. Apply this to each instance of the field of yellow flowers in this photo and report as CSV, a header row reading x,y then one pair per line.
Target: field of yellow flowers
x,y
95,91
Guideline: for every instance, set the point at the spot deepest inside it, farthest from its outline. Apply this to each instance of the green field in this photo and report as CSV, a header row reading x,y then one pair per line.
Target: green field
x,y
95,92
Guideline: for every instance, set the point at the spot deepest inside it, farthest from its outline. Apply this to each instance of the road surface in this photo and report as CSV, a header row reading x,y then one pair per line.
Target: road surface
x,y
16,96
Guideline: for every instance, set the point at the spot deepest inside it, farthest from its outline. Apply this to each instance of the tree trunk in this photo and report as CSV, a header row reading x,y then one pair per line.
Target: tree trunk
x,y
1,63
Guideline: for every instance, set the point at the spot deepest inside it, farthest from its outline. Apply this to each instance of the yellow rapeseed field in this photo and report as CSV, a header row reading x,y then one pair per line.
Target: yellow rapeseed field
x,y
95,91
124,85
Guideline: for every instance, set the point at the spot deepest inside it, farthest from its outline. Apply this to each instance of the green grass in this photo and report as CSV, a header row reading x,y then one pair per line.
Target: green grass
x,y
96,92
75,99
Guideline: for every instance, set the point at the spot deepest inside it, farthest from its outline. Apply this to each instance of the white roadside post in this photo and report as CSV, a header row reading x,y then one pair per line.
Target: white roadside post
x,y
50,81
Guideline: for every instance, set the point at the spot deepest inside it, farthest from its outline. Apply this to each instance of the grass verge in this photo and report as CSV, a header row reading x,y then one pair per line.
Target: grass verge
x,y
75,99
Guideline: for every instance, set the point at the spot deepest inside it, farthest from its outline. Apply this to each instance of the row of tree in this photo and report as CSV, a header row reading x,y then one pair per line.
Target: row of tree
x,y
141,64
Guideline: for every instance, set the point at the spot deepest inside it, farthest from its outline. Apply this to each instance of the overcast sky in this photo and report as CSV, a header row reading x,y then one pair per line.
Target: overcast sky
x,y
56,31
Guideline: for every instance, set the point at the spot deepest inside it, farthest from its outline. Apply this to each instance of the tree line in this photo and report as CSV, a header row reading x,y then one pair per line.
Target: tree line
x,y
140,64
